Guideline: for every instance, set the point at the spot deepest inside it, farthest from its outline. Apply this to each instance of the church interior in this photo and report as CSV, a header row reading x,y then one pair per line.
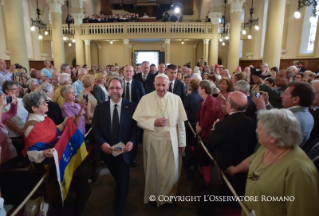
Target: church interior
x,y
100,34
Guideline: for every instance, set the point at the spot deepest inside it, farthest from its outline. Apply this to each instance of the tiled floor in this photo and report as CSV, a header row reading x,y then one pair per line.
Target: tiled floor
x,y
102,195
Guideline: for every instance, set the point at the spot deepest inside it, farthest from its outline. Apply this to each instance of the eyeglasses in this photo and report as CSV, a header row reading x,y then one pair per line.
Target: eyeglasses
x,y
116,88
43,103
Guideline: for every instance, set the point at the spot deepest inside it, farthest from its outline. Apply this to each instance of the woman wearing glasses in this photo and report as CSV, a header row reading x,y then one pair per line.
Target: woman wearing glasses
x,y
280,174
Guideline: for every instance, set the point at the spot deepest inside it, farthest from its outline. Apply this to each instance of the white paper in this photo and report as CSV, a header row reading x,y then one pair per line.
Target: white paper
x,y
118,149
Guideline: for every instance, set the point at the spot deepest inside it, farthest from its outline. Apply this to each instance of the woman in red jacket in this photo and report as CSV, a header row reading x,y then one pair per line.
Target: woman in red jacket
x,y
207,114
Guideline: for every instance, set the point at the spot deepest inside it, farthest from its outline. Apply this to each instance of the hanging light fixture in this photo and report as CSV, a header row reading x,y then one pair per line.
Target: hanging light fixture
x,y
37,23
69,34
251,22
307,3
224,34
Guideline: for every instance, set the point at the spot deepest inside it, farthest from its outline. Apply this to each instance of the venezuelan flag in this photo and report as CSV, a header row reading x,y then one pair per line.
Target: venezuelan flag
x,y
69,154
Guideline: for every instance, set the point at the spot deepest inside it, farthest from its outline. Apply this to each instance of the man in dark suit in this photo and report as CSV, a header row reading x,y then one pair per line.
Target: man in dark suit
x,y
161,69
133,89
282,79
112,123
175,86
243,87
146,78
314,110
234,138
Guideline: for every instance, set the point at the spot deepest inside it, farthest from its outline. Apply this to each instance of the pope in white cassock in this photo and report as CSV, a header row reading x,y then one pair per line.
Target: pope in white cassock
x,y
161,114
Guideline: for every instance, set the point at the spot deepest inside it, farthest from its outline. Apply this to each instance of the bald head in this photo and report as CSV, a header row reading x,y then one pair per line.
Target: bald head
x,y
236,101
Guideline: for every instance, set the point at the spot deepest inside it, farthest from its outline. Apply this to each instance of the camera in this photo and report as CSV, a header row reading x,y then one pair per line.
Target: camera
x,y
9,99
17,66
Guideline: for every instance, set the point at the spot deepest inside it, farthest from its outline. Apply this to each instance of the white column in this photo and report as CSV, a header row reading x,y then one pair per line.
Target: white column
x,y
236,7
274,32
88,52
126,51
57,35
16,35
205,49
99,56
130,54
79,48
167,51
213,52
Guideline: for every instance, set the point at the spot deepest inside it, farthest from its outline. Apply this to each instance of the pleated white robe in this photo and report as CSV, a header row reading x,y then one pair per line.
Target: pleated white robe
x,y
162,161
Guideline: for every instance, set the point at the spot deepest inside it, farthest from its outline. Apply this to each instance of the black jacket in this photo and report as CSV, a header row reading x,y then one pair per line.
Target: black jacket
x,y
149,82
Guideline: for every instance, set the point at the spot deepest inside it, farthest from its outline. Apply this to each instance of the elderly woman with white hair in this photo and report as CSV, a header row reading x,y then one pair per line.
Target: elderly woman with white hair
x,y
78,111
64,79
54,110
280,174
32,84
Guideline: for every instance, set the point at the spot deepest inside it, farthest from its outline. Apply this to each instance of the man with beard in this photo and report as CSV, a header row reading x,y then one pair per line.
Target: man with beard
x,y
112,123
161,114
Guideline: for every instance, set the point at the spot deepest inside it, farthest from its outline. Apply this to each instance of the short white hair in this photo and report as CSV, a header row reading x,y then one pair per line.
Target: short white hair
x,y
81,70
198,76
242,86
282,125
30,81
63,77
291,68
65,89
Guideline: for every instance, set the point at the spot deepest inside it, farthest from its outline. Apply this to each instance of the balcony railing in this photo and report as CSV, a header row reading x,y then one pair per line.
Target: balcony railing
x,y
132,28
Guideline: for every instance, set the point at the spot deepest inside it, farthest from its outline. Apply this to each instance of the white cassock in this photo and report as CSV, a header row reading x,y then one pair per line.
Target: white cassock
x,y
162,161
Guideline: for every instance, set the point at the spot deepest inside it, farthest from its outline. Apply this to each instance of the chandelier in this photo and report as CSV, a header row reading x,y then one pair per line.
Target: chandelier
x,y
307,3
68,35
224,34
251,22
38,23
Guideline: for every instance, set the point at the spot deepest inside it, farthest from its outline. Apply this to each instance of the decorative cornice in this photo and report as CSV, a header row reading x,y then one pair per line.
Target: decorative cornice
x,y
167,41
214,17
87,42
126,41
236,5
55,6
78,18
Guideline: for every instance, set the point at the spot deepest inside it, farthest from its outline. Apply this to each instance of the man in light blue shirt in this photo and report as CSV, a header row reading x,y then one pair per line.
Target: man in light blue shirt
x,y
3,75
78,85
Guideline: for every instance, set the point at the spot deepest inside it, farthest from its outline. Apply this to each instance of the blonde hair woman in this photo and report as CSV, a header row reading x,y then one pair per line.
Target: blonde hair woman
x,y
99,90
88,83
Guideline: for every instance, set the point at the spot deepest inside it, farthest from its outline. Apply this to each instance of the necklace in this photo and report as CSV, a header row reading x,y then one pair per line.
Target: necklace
x,y
254,176
159,107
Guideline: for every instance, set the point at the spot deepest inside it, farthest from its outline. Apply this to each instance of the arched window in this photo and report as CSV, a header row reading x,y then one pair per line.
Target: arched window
x,y
309,31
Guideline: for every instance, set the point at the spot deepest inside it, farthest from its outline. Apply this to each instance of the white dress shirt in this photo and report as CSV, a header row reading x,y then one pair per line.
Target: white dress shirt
x,y
119,104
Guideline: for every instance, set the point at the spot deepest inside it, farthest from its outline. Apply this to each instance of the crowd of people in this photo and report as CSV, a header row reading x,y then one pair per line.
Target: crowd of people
x,y
260,123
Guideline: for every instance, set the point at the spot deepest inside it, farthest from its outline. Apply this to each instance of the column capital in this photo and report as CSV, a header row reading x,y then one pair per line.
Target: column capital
x,y
87,42
55,6
126,41
214,17
206,41
78,18
167,41
99,46
236,5
194,46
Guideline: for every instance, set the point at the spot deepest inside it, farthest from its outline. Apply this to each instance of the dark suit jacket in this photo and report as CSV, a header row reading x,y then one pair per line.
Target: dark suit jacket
x,y
149,82
274,94
54,112
102,128
251,109
137,91
315,130
191,105
98,94
233,139
179,89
